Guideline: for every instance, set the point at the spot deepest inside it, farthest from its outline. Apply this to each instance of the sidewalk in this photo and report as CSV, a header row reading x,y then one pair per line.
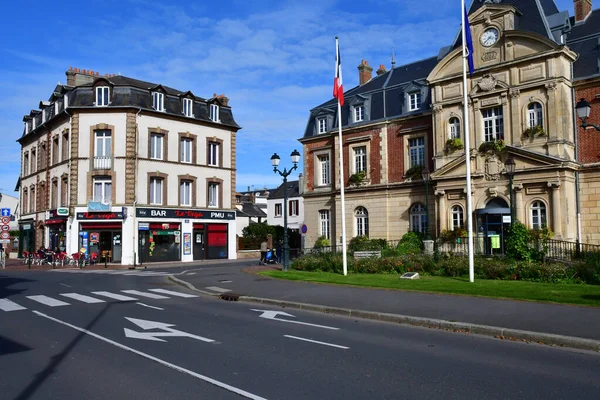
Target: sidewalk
x,y
571,326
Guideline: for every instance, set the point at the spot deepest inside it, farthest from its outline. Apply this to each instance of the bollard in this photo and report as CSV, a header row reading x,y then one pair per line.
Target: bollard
x,y
105,256
29,262
80,262
53,263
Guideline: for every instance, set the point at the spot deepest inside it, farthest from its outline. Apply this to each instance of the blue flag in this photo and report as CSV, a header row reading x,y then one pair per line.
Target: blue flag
x,y
469,41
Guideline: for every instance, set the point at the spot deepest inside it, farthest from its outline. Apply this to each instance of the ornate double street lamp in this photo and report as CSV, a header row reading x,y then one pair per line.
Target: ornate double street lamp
x,y
583,112
285,173
426,178
509,165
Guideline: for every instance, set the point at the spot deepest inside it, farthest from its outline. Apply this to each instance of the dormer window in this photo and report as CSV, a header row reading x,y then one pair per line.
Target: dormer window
x,y
359,112
102,96
26,128
322,125
414,101
214,112
187,107
158,101
43,116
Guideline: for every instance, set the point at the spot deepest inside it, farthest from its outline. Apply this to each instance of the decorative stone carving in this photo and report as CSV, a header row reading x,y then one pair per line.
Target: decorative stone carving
x,y
489,56
550,86
487,16
514,93
440,192
487,82
517,187
554,185
493,168
493,192
437,108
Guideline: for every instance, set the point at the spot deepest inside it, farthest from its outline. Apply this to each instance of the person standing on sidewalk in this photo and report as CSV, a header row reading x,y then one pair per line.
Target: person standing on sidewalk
x,y
278,251
263,252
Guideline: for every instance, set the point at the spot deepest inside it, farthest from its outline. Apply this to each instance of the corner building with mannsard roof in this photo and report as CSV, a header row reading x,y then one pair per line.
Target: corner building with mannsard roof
x,y
131,171
532,64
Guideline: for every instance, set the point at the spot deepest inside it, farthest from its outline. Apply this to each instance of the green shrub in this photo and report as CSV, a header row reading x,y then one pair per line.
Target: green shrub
x,y
493,268
517,242
321,242
358,243
453,266
410,243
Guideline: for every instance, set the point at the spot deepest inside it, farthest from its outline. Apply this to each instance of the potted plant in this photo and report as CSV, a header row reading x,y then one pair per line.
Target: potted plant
x,y
534,131
495,146
414,172
453,145
358,178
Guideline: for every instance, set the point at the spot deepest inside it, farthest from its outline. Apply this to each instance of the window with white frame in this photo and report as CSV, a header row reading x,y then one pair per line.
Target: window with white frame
x,y
213,194
534,115
454,128
324,223
360,159
158,101
213,153
185,193
102,149
359,112
102,93
324,172
278,209
361,222
322,125
414,101
214,112
188,107
538,215
156,146
186,150
416,151
156,190
418,218
293,208
493,124
103,189
458,219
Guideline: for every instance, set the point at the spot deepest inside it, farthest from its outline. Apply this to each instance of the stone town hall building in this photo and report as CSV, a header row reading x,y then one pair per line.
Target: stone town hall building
x,y
130,170
532,64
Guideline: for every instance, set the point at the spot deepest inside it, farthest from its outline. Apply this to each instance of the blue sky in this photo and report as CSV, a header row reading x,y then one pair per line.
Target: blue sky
x,y
273,59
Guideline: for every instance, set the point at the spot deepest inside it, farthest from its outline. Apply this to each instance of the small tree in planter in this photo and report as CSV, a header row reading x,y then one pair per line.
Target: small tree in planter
x,y
414,172
533,132
452,145
495,146
358,178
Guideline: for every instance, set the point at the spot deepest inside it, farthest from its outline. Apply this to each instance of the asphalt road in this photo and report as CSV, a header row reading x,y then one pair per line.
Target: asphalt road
x,y
75,341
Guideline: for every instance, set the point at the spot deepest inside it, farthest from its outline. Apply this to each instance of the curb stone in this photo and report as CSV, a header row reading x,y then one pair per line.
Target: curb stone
x,y
486,330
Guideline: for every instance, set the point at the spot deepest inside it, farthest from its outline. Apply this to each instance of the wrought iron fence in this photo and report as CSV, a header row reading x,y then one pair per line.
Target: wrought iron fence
x,y
570,251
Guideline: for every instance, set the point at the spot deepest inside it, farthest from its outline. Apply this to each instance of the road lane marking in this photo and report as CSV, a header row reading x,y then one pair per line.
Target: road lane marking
x,y
84,298
115,296
64,284
172,293
316,341
146,305
272,315
217,289
49,301
204,378
7,305
144,294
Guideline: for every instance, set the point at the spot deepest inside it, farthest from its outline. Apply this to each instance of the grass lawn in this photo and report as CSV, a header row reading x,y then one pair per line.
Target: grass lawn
x,y
588,295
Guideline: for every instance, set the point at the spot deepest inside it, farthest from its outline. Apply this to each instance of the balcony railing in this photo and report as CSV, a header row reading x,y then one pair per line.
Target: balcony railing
x,y
102,162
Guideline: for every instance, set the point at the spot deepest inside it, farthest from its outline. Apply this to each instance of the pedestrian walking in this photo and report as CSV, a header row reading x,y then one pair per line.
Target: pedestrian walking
x,y
278,251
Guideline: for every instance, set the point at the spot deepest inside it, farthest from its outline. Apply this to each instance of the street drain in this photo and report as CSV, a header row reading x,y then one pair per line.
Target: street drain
x,y
229,297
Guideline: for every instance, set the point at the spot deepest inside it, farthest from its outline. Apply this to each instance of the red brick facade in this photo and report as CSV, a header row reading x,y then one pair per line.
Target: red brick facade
x,y
589,139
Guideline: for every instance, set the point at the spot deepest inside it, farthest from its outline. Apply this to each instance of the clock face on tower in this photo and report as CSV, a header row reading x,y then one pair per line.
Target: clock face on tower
x,y
489,37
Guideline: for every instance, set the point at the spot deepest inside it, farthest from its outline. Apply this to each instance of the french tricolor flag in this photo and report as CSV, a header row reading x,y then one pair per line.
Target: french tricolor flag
x,y
338,87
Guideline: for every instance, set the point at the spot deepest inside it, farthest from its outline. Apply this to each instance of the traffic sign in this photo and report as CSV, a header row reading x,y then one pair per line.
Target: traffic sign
x,y
304,228
5,228
6,212
5,235
5,220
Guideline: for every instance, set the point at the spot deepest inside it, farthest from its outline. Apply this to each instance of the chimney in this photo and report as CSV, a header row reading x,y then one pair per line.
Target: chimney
x,y
76,76
381,70
583,8
365,72
300,184
224,99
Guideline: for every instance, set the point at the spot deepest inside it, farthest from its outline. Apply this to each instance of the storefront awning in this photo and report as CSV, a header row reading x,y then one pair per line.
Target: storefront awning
x,y
99,225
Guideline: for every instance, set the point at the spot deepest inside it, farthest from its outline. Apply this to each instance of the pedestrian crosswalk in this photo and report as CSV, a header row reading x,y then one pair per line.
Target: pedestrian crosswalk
x,y
67,299
112,272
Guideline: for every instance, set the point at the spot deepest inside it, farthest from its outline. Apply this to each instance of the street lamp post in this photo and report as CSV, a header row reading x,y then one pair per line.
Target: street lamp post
x,y
509,164
583,112
285,173
426,177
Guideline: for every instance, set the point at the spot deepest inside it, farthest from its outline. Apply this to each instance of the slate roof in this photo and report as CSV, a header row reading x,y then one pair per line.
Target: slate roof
x,y
584,39
251,210
292,191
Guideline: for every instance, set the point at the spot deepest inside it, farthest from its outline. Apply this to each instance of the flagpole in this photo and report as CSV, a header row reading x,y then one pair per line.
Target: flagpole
x,y
339,107
467,146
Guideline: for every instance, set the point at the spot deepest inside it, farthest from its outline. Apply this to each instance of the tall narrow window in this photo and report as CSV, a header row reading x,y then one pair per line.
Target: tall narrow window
x,y
416,150
322,125
213,153
65,146
55,154
278,209
54,194
418,218
26,163
324,223
534,115
493,124
25,202
43,156
158,101
361,222
458,219
64,192
359,113
103,190
103,149
324,172
454,128
187,107
156,191
293,208
33,161
32,200
214,112
213,194
156,146
360,159
185,193
414,101
186,150
102,93
538,215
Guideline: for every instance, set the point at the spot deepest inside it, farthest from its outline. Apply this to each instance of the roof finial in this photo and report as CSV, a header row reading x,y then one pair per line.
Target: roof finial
x,y
393,58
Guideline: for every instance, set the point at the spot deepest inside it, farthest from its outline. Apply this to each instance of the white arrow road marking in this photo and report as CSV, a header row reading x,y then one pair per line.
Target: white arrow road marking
x,y
7,305
144,294
146,305
115,296
316,341
81,297
204,378
145,325
271,314
172,293
49,301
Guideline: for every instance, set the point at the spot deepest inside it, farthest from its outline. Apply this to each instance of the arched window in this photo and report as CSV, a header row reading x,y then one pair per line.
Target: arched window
x,y
418,218
538,215
361,222
534,115
458,219
454,128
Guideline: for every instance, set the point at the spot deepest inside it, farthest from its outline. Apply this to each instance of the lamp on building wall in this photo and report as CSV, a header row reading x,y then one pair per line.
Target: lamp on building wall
x,y
583,109
426,178
285,173
509,165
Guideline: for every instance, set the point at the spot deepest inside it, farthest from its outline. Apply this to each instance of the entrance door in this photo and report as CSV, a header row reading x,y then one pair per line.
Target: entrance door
x,y
198,245
491,226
